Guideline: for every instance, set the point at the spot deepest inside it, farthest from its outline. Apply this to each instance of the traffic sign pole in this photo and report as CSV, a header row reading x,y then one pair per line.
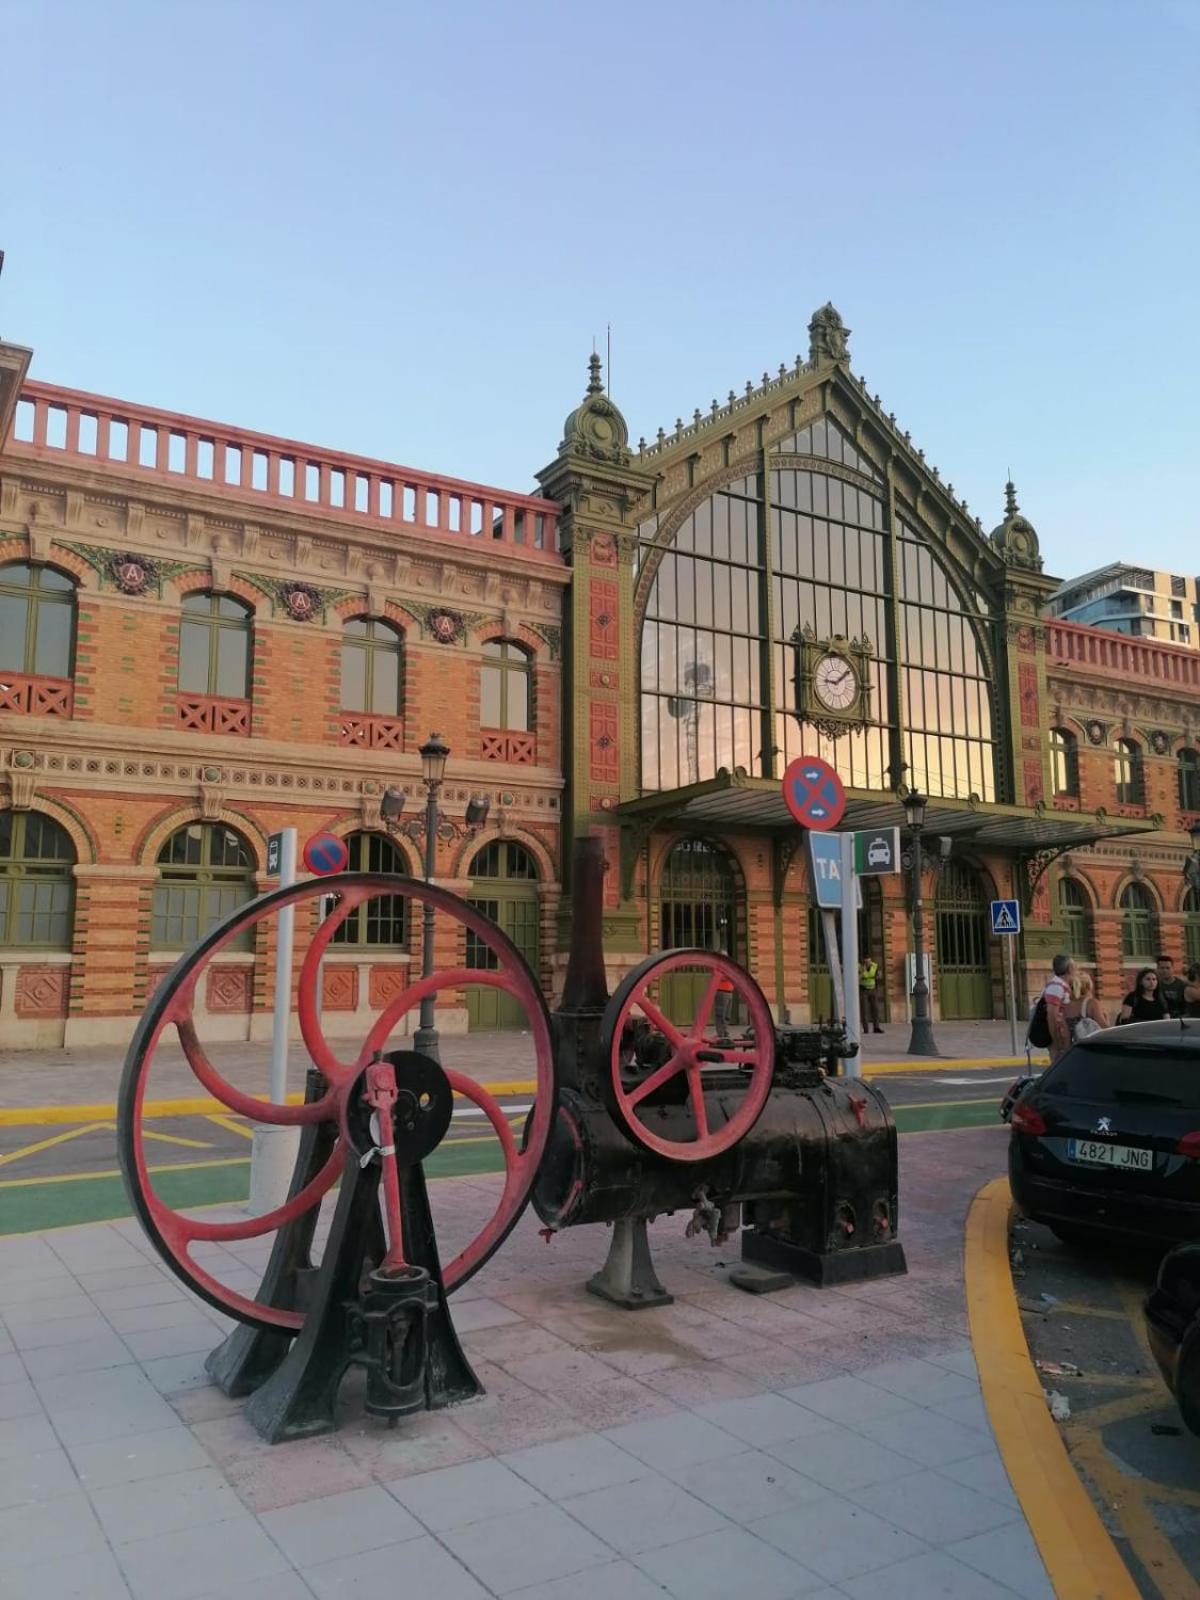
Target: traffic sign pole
x,y
1012,998
273,1151
853,1066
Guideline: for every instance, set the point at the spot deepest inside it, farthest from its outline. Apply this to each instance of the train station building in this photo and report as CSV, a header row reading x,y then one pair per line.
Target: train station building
x,y
208,634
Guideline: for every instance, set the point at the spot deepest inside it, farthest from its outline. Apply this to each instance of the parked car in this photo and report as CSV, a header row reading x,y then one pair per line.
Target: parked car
x,y
1173,1326
1107,1140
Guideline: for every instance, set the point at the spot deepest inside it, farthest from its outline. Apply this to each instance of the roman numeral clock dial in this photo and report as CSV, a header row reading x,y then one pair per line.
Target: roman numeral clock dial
x,y
835,682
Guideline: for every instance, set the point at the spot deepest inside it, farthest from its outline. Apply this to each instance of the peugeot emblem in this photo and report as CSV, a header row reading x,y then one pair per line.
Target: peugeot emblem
x,y
1103,1126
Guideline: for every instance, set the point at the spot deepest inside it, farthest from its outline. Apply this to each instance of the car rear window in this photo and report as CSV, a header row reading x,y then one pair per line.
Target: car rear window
x,y
1117,1072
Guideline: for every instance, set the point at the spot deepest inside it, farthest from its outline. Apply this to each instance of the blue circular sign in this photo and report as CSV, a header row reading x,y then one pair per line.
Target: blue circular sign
x,y
325,853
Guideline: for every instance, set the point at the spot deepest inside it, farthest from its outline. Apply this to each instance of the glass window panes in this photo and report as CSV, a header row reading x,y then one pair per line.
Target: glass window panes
x,y
505,694
37,888
1127,773
1139,934
1064,762
205,871
214,646
1189,780
37,620
506,859
1191,927
382,921
371,677
1076,913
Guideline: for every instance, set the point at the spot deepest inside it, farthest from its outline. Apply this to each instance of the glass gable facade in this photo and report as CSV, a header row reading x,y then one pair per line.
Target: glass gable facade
x,y
814,551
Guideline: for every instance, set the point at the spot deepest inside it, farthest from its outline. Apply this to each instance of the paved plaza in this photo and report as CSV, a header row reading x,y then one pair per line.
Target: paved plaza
x,y
814,1443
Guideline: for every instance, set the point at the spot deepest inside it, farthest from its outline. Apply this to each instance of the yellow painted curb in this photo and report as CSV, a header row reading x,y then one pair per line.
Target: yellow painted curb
x,y
39,1116
1080,1557
877,1069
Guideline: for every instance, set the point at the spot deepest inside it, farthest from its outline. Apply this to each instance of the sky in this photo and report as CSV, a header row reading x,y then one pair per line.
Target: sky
x,y
396,228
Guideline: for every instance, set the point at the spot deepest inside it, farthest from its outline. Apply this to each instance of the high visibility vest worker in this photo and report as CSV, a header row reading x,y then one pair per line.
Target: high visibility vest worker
x,y
868,973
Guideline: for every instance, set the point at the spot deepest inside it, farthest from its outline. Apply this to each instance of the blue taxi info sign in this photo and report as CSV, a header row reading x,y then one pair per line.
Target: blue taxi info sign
x,y
1006,917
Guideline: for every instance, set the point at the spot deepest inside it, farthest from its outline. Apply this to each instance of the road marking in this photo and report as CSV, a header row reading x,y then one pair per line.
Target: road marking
x,y
1128,1498
233,1127
170,1138
967,1083
115,1172
1080,1557
58,1138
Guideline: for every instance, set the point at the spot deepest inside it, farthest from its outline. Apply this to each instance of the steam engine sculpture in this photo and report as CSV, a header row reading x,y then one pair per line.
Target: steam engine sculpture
x,y
633,1116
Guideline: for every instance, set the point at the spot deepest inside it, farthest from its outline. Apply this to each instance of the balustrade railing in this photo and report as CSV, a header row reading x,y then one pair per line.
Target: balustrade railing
x,y
1106,651
36,696
518,748
209,713
368,731
170,448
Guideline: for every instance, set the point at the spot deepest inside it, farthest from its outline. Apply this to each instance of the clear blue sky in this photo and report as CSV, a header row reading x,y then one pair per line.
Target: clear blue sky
x,y
395,228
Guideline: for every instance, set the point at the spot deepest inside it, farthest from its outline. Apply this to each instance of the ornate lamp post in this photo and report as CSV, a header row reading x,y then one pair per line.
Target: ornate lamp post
x,y
1191,867
434,754
921,1042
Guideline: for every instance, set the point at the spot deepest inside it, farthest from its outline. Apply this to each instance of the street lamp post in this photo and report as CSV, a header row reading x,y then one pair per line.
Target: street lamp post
x,y
1191,867
921,1042
434,754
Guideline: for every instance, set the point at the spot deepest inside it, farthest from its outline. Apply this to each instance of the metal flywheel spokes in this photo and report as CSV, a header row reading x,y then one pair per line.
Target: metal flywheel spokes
x,y
326,1144
645,1052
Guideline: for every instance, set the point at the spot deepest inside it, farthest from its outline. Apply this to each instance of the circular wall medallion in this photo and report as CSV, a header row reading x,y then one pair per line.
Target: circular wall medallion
x,y
301,601
132,574
445,626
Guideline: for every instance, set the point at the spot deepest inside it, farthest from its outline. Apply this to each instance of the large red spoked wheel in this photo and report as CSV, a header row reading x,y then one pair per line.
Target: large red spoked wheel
x,y
177,1235
635,1013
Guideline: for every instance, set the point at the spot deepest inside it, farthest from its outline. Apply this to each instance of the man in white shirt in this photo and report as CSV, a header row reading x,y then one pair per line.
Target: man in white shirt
x,y
1058,994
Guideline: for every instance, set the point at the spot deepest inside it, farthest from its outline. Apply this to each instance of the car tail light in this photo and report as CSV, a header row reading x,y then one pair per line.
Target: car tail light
x,y
1026,1120
1189,1145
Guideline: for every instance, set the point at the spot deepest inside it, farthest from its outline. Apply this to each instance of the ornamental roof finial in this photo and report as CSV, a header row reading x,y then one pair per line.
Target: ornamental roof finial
x,y
1010,498
595,383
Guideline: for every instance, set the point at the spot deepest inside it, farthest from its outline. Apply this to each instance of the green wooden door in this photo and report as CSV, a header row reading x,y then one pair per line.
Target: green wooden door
x,y
504,888
964,974
698,910
870,937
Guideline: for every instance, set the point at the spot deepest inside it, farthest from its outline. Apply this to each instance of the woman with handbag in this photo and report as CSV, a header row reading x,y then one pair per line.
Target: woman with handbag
x,y
1084,1015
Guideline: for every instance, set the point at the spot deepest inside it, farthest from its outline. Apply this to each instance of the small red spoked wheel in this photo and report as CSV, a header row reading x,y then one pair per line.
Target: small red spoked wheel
x,y
688,1049
176,1234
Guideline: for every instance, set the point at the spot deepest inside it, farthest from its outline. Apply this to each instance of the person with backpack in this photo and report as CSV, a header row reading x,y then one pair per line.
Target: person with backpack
x,y
1084,1015
1047,1026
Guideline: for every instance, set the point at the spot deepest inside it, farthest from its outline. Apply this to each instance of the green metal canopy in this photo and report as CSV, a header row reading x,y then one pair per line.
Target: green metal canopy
x,y
735,800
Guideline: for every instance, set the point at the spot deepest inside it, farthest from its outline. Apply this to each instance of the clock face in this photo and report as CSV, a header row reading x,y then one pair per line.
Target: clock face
x,y
835,682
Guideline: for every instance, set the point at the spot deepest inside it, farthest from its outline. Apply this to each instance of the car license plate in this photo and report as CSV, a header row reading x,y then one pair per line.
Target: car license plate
x,y
1109,1155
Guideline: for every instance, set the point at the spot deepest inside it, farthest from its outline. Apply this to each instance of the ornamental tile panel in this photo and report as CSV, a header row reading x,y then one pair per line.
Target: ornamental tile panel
x,y
42,991
229,990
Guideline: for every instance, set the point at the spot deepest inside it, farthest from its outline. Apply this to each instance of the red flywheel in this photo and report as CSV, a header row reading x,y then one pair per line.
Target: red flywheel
x,y
181,1238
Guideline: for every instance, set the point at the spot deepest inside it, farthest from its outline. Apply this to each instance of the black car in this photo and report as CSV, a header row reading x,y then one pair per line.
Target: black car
x,y
1107,1140
1173,1326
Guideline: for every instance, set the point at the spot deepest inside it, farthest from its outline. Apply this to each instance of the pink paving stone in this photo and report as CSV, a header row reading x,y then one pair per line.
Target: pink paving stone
x,y
204,1405
232,1438
616,1401
417,1444
282,1475
513,1343
558,1372
699,1383
515,1421
781,1367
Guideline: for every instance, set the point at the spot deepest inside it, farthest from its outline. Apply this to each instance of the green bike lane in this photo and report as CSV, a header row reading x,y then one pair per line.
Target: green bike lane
x,y
57,1177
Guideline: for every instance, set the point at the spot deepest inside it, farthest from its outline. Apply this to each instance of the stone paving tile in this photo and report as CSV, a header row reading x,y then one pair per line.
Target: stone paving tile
x,y
64,1526
640,1516
421,1444
925,1504
94,1576
933,1575
197,1335
175,1375
845,1398
138,1456
923,1382
838,1540
700,1383
619,1580
18,1399
129,1511
12,1368
748,1486
419,1568
924,1436
280,1586
281,1475
205,1403
195,1563
65,1303
85,1406
576,1466
557,1372
614,1403
732,1562
37,1333
842,1460
31,1479
985,1472
528,1547
517,1341
969,1410
1008,1556
471,1315
162,1314
763,1419
21,1436
960,1360
93,1354
457,1496
318,1530
681,1440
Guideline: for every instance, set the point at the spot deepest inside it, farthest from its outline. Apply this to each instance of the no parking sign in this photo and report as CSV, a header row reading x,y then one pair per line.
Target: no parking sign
x,y
813,793
325,853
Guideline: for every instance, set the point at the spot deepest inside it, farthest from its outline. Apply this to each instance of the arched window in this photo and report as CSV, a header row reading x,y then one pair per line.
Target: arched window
x,y
1064,762
37,621
1191,926
214,646
963,959
1189,780
504,878
371,659
382,922
1139,930
37,891
698,898
505,700
1076,913
205,871
1130,779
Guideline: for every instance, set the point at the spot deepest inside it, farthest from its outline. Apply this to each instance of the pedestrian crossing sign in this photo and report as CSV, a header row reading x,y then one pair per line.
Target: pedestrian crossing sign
x,y
1006,916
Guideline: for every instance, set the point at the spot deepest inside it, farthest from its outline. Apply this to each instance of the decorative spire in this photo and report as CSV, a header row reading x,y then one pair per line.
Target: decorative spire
x,y
595,383
1010,499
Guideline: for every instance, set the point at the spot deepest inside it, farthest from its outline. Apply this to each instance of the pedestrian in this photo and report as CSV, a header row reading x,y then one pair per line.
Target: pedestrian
x,y
1143,1003
1191,991
1169,986
1052,1003
723,1005
1084,1015
868,992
